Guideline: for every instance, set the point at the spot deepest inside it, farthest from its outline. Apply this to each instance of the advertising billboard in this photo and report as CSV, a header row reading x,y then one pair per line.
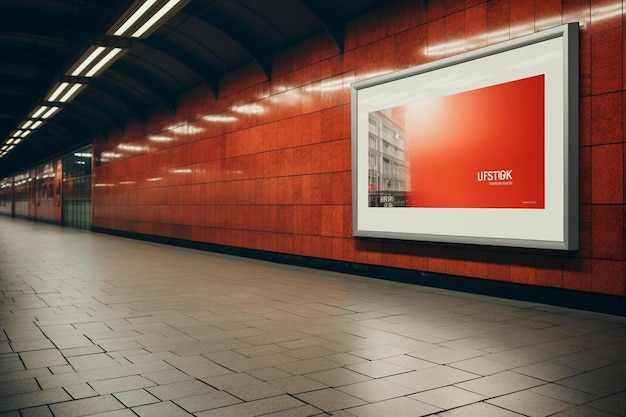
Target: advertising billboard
x,y
479,148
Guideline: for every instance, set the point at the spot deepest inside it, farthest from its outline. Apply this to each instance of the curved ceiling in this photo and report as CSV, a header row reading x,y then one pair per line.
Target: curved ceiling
x,y
41,39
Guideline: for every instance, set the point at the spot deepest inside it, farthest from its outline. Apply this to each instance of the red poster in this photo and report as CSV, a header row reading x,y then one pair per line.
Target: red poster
x,y
478,149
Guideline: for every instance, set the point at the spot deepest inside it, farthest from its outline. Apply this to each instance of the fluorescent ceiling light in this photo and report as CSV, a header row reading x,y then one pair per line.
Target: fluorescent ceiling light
x,y
71,93
10,141
155,18
36,124
67,91
39,112
57,91
16,141
26,133
104,61
88,60
27,124
134,18
50,112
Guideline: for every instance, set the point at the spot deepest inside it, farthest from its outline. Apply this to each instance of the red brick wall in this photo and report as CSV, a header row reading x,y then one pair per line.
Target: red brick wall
x,y
279,177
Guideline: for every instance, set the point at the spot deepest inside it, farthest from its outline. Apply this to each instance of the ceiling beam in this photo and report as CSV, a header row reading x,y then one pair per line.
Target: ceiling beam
x,y
186,59
140,80
328,18
259,54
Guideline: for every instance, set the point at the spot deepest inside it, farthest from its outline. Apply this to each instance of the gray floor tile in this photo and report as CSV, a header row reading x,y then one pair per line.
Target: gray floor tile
x,y
41,411
604,381
42,358
330,399
615,403
530,404
208,401
379,368
448,397
265,406
376,390
337,377
164,409
180,390
500,384
80,391
33,399
20,386
297,384
87,406
255,391
135,398
239,337
479,409
127,383
398,407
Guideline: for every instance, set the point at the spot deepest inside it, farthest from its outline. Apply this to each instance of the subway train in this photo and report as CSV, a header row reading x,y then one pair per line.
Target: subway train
x,y
57,191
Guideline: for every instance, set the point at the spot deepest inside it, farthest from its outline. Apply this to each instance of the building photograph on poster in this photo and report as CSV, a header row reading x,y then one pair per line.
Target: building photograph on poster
x,y
479,148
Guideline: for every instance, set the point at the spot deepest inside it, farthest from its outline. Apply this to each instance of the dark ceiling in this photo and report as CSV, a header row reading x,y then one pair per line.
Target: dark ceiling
x,y
41,39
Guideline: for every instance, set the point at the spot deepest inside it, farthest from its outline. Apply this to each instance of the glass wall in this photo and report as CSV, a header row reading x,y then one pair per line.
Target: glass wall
x,y
77,169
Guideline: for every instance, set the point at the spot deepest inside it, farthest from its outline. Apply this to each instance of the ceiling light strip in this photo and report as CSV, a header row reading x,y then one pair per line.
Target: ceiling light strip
x,y
155,18
107,59
139,13
88,60
71,93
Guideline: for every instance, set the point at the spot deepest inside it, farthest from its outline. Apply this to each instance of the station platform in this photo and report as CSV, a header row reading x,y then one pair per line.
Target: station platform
x,y
97,325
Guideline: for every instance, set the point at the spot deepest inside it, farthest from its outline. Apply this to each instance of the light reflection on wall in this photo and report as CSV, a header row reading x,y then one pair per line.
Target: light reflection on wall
x,y
133,148
161,138
220,119
598,14
185,129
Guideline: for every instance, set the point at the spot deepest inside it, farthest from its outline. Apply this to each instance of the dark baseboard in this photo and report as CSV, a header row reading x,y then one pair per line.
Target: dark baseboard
x,y
581,300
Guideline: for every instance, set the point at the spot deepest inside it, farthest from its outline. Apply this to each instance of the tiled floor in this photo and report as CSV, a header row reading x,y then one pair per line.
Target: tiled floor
x,y
94,325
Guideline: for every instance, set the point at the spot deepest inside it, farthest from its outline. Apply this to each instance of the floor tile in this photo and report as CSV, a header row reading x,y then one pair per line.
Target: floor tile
x,y
379,368
530,404
447,397
127,383
376,390
398,407
500,384
337,377
297,384
330,399
135,398
41,411
42,358
113,334
615,403
33,399
267,406
163,409
80,391
479,409
87,406
180,390
207,401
